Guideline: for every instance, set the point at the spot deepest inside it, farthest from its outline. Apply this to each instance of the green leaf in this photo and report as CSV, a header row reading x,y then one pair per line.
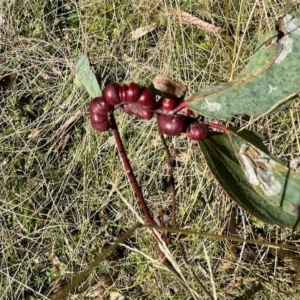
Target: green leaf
x,y
257,182
86,78
266,85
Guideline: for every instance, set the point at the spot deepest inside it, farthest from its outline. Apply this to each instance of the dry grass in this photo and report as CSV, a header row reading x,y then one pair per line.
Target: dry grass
x,y
64,194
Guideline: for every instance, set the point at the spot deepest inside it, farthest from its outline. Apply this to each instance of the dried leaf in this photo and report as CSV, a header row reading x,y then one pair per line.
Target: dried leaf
x,y
189,20
44,76
62,144
141,31
127,58
34,133
56,71
70,121
116,296
57,263
5,161
169,87
95,291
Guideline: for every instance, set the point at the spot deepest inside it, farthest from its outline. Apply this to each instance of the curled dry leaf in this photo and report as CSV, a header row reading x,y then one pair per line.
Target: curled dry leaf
x,y
141,31
189,20
169,87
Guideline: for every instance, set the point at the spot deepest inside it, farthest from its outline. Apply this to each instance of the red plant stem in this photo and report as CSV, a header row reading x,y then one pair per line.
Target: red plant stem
x,y
129,171
135,184
141,199
216,126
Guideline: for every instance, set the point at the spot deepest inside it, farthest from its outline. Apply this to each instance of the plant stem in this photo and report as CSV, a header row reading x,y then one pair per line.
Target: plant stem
x,y
171,176
143,204
133,181
129,171
172,182
216,126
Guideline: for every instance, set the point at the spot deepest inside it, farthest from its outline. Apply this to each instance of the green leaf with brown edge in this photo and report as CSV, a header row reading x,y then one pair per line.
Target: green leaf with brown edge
x,y
257,182
85,77
267,84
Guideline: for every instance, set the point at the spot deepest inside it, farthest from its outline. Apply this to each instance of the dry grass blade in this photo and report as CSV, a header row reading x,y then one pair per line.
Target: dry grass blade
x,y
190,20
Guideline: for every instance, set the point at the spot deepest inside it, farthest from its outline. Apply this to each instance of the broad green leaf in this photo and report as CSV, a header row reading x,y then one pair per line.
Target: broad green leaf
x,y
84,77
266,85
259,183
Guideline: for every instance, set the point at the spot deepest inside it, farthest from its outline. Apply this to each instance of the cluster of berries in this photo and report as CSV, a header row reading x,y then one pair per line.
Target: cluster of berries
x,y
140,101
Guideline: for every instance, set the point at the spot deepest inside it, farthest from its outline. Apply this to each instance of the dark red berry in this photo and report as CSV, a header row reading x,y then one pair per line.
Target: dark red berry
x,y
99,110
198,132
99,105
168,103
147,100
111,93
133,93
99,122
171,125
123,93
146,115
